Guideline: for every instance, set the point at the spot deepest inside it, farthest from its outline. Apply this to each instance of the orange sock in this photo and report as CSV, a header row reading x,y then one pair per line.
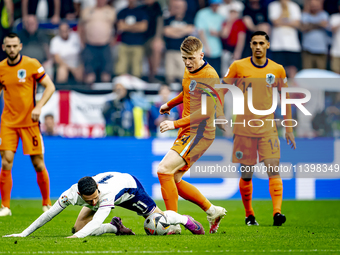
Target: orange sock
x,y
276,190
169,191
191,193
44,185
246,190
6,184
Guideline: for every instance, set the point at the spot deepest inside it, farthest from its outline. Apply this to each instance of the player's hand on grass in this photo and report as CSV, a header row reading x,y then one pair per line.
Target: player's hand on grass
x,y
164,109
291,140
72,236
36,114
167,125
14,235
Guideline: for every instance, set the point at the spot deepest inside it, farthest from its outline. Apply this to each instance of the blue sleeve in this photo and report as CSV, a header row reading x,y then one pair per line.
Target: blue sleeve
x,y
167,22
304,18
324,16
121,15
158,9
265,14
246,11
153,115
189,20
142,15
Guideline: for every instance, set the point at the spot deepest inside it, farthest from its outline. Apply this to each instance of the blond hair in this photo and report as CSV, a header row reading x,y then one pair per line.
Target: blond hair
x,y
191,44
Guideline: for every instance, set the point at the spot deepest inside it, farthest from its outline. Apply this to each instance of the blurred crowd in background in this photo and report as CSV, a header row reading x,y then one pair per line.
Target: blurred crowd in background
x,y
83,42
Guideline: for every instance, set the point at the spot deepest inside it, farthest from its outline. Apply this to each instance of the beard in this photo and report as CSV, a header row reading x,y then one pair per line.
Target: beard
x,y
12,58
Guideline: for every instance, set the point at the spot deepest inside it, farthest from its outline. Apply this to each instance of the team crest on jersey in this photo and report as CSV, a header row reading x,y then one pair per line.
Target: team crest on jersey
x,y
192,85
270,79
239,154
22,75
104,200
64,199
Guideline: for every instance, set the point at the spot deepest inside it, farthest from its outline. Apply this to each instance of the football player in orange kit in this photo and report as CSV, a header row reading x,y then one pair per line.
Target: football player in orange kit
x,y
20,118
195,135
262,74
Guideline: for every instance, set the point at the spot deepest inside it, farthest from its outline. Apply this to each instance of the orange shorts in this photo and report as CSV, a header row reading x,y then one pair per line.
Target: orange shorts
x,y
32,141
191,147
246,149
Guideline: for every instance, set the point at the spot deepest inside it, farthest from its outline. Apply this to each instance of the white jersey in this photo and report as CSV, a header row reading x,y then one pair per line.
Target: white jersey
x,y
114,189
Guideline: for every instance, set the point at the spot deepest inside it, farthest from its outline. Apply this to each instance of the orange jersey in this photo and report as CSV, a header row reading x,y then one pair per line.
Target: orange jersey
x,y
19,83
201,81
244,74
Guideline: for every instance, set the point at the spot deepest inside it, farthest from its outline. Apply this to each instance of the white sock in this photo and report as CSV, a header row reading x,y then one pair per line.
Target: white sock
x,y
175,218
211,210
105,228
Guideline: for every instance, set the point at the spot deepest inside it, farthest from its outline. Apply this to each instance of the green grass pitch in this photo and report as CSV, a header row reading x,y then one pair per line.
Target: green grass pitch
x,y
311,227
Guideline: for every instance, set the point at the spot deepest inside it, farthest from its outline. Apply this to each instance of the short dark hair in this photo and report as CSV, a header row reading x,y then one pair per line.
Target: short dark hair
x,y
49,115
11,35
260,33
87,186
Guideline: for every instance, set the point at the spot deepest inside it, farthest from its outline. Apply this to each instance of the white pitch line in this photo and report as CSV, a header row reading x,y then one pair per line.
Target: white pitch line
x,y
171,251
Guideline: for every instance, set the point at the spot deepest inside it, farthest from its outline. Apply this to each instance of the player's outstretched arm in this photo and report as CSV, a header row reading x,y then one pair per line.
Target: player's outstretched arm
x,y
94,224
49,89
196,116
165,108
41,221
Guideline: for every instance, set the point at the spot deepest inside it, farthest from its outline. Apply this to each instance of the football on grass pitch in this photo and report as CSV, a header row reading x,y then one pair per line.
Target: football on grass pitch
x,y
156,224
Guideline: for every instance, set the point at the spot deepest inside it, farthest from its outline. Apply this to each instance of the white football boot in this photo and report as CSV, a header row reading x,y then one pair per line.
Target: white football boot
x,y
5,211
215,219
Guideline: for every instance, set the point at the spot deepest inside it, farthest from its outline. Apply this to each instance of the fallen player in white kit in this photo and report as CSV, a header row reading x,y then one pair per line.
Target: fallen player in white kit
x,y
98,195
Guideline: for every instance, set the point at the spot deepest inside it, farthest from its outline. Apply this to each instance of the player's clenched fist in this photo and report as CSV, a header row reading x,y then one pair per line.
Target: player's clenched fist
x,y
167,125
164,109
36,114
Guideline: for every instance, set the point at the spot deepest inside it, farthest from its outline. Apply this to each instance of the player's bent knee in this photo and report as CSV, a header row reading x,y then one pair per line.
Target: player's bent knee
x,y
273,174
39,166
163,170
272,162
7,162
178,176
6,166
38,162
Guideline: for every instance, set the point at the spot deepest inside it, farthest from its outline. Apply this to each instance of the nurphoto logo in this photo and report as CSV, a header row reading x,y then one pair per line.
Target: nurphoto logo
x,y
238,104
